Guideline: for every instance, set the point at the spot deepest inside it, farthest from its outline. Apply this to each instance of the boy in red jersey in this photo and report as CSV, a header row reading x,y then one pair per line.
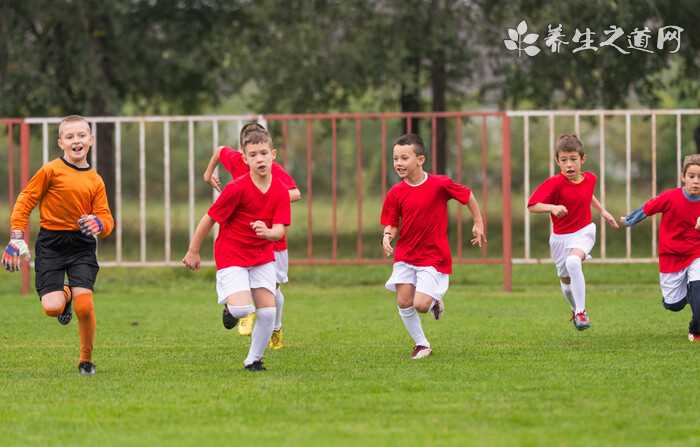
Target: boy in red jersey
x,y
567,197
235,164
679,242
73,212
252,212
416,209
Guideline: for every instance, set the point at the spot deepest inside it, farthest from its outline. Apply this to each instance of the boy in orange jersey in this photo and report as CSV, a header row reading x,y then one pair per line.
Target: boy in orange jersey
x,y
73,211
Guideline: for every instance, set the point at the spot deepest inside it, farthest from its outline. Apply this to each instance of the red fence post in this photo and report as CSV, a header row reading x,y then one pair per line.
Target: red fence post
x,y
309,190
485,179
506,217
24,179
458,136
359,178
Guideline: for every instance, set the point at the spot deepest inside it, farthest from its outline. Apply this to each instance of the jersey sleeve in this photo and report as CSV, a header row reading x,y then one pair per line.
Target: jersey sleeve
x,y
28,198
545,193
227,158
100,208
460,193
659,204
390,210
280,173
283,210
225,205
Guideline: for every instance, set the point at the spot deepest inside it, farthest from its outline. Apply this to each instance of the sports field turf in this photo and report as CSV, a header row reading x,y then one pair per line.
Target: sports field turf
x,y
507,369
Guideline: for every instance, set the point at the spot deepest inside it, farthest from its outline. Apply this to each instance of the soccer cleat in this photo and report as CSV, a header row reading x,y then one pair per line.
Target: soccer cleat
x,y
245,325
229,320
693,337
67,313
255,366
581,321
276,340
86,369
438,309
420,352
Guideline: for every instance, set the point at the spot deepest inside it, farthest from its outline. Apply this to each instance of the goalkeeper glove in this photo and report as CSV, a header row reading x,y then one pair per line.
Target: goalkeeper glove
x,y
15,251
90,225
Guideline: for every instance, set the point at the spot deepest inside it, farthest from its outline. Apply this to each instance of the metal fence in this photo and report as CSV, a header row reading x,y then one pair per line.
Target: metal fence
x,y
305,142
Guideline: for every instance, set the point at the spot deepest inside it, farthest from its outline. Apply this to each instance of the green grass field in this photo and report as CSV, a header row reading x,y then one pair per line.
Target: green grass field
x,y
507,369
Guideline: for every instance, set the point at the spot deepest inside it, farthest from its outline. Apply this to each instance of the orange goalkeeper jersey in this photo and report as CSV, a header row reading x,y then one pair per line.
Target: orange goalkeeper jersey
x,y
66,192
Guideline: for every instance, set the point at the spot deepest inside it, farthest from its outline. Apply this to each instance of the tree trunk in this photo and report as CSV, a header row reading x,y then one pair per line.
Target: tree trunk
x,y
439,86
410,94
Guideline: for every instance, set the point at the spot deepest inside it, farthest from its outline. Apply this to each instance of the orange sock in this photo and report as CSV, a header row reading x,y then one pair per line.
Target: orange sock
x,y
85,311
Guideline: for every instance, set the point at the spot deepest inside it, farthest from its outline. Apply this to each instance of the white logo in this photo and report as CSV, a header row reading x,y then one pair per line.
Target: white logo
x,y
516,43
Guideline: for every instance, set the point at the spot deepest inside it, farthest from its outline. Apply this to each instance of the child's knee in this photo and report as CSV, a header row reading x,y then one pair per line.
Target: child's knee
x,y
573,263
83,305
52,311
674,307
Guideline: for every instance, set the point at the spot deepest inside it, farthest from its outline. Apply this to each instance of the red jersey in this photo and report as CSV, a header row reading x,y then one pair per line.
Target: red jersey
x,y
233,162
576,197
679,241
420,212
240,203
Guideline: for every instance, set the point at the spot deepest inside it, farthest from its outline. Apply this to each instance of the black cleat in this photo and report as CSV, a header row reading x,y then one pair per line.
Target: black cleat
x,y
229,320
255,366
86,369
67,313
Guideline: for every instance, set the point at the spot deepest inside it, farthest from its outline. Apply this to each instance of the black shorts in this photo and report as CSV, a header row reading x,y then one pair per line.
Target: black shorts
x,y
64,252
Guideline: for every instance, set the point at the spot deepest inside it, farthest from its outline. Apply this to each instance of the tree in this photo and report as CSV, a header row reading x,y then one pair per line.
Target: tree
x,y
93,57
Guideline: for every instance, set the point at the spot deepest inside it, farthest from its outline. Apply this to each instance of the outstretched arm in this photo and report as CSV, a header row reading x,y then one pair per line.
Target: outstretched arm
x,y
192,259
209,176
604,213
634,217
478,229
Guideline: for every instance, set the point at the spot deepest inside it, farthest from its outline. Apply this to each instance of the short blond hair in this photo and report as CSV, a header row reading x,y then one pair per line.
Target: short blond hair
x,y
690,160
569,143
71,119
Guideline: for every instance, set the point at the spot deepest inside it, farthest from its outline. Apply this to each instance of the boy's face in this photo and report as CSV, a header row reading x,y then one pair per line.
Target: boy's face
x,y
691,180
259,158
570,163
75,139
406,162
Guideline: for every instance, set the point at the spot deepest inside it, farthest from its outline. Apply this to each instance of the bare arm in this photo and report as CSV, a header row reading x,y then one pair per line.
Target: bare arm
x,y
271,234
209,176
539,208
192,259
389,235
294,195
478,228
604,213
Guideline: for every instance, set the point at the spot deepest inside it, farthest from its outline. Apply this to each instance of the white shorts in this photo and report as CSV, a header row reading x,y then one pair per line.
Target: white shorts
x,y
282,266
237,279
674,285
427,280
561,244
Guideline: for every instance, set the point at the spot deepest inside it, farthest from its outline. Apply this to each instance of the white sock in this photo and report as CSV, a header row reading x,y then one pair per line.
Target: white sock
x,y
411,321
262,332
240,311
566,290
279,305
578,282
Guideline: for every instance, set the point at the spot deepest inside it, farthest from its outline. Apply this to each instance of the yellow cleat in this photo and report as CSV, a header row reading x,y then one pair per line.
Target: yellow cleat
x,y
245,325
276,340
